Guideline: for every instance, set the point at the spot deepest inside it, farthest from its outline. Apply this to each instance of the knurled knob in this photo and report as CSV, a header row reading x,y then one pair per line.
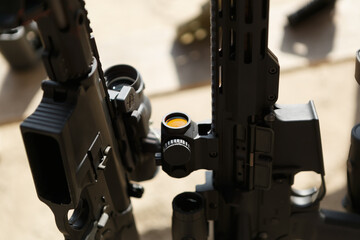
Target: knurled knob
x,y
176,152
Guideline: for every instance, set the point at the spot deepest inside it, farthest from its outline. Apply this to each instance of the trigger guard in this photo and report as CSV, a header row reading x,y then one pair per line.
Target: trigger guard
x,y
308,197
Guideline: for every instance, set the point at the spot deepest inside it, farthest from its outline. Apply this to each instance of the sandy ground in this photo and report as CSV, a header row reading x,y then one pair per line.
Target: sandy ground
x,y
321,70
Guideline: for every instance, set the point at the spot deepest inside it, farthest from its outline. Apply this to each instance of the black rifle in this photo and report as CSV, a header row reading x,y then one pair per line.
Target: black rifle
x,y
90,136
253,147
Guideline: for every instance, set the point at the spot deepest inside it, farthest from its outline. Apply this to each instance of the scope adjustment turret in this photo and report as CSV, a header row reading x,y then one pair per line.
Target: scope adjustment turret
x,y
177,152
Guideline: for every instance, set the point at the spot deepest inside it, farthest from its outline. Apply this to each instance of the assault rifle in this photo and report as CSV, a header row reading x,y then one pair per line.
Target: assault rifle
x,y
89,137
253,147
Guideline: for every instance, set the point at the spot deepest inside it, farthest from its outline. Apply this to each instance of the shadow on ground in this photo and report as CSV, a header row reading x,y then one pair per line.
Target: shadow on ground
x,y
313,39
157,234
191,50
17,91
192,63
334,200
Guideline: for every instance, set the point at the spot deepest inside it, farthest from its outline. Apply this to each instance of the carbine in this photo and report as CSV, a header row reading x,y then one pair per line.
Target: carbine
x,y
89,138
252,148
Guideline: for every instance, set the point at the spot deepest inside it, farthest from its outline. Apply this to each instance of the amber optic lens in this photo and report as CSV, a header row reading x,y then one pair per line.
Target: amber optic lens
x,y
176,122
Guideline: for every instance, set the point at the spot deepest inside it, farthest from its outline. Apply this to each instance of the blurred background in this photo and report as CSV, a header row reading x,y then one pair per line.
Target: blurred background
x,y
167,41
